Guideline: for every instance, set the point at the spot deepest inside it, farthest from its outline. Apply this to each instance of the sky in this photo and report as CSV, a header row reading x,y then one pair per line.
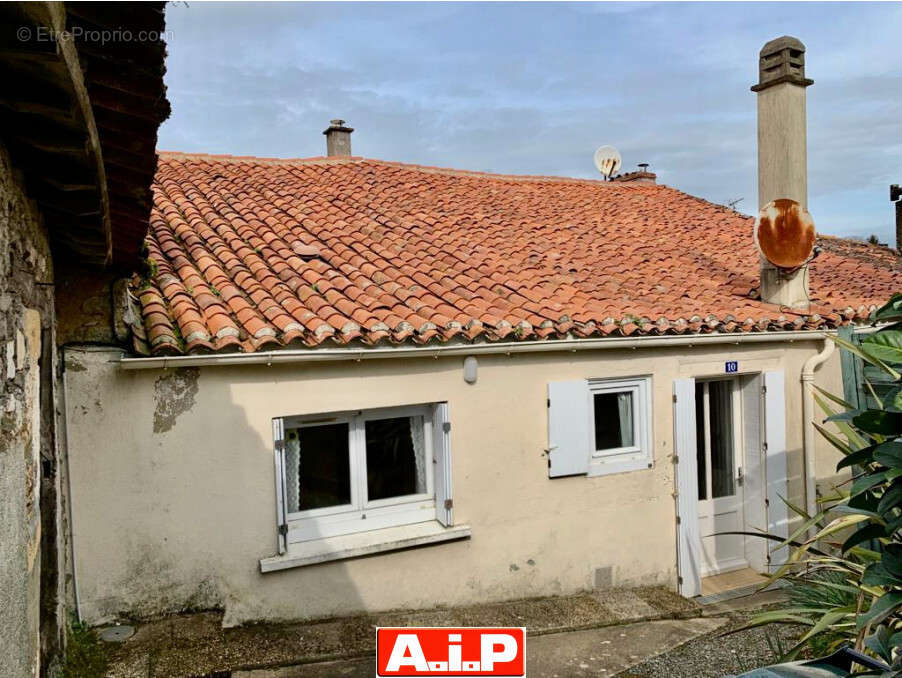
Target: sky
x,y
535,88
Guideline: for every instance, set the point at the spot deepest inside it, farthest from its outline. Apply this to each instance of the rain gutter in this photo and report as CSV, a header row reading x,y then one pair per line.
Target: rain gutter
x,y
319,355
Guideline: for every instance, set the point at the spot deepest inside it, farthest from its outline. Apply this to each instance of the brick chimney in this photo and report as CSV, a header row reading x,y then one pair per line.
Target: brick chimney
x,y
640,176
782,153
338,138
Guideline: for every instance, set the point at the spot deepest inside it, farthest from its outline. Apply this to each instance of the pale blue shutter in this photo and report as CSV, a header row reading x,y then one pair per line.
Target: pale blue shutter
x,y
754,485
775,461
441,453
278,435
570,440
689,543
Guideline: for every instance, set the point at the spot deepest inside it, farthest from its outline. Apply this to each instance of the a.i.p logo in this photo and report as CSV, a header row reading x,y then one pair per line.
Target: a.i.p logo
x,y
466,651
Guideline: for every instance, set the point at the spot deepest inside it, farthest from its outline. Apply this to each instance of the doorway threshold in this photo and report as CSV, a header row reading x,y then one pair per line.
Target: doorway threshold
x,y
729,585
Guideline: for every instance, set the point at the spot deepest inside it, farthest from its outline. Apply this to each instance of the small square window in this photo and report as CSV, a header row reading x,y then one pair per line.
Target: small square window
x,y
359,471
621,420
614,426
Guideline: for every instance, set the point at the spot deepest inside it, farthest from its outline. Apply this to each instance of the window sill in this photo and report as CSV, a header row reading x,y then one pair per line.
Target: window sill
x,y
360,544
603,467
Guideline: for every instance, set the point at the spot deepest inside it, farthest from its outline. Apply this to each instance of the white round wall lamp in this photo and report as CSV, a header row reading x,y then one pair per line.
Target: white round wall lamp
x,y
471,367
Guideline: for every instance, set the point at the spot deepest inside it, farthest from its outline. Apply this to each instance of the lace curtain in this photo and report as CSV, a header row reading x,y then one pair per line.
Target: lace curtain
x,y
625,411
292,470
418,439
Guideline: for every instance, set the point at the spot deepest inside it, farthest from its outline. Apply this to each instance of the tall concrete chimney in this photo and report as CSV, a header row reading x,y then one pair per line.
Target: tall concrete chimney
x,y
782,153
338,138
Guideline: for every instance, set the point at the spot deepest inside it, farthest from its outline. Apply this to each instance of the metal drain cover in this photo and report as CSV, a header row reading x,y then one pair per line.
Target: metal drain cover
x,y
116,634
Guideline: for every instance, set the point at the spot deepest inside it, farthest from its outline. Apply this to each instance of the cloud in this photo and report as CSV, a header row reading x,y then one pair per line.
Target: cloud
x,y
534,88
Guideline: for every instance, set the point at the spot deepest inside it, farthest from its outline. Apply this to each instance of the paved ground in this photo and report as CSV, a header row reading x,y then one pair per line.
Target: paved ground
x,y
679,648
594,652
197,645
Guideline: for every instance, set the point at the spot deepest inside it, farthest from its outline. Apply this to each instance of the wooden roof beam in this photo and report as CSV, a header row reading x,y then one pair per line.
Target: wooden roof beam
x,y
105,98
63,185
116,15
53,15
43,139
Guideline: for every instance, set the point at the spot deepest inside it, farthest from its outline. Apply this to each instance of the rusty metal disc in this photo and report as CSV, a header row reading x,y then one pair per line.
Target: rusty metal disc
x,y
784,233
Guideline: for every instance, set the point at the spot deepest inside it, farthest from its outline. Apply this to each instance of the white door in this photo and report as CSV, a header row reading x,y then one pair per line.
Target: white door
x,y
720,477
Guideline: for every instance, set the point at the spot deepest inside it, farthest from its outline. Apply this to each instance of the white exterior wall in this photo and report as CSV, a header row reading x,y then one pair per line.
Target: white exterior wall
x,y
173,489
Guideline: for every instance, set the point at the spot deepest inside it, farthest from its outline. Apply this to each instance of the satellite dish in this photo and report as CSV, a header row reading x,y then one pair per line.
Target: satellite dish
x,y
784,233
607,161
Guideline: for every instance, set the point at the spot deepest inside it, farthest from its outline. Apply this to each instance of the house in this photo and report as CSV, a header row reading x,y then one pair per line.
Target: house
x,y
363,385
79,121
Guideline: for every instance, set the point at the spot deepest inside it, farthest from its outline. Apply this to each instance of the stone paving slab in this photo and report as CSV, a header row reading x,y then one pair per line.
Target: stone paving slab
x,y
570,654
741,604
197,645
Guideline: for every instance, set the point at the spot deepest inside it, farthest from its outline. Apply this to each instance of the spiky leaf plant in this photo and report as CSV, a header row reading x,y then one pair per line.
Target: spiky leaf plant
x,y
845,580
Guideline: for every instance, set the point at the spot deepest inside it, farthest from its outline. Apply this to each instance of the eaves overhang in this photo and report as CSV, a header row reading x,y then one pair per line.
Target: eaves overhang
x,y
82,100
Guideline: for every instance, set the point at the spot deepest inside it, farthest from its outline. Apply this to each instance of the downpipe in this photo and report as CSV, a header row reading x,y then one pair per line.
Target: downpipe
x,y
64,415
808,430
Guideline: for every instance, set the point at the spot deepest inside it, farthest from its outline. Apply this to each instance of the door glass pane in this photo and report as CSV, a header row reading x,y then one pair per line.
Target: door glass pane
x,y
613,420
700,443
317,467
395,457
722,451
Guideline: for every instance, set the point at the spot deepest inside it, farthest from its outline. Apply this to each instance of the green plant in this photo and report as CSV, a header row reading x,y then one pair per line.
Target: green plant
x,y
151,265
845,580
823,590
85,654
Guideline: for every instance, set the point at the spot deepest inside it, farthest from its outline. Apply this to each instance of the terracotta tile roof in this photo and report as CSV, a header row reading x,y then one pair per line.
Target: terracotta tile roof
x,y
251,254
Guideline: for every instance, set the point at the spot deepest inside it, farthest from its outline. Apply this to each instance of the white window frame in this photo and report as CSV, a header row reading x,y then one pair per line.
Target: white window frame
x,y
362,515
637,456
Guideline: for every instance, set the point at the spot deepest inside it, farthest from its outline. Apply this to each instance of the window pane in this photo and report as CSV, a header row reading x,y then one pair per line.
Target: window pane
x,y
395,457
613,420
317,466
720,395
700,451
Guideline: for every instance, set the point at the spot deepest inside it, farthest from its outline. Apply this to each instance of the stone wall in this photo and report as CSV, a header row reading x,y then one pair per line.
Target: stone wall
x,y
91,306
30,556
